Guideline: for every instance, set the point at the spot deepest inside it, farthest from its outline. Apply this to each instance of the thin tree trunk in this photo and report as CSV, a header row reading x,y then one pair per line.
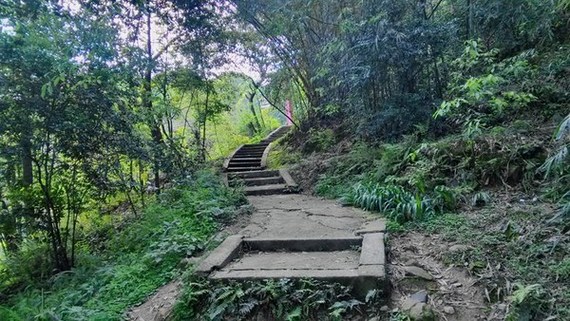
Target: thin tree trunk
x,y
250,99
470,26
155,123
204,126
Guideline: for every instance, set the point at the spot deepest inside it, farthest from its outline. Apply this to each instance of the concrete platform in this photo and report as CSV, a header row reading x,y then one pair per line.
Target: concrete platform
x,y
264,261
356,261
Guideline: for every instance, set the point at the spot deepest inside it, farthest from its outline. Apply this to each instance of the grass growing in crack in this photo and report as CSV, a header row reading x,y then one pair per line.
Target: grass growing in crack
x,y
271,299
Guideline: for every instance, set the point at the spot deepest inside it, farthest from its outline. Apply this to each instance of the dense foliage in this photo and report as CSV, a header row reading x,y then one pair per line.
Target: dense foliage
x,y
110,109
103,104
127,259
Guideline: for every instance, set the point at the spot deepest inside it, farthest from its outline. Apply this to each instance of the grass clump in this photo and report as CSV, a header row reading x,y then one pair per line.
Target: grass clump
x,y
138,256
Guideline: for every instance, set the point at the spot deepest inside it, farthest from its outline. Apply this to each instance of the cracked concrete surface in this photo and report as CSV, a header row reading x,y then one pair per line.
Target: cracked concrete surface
x,y
294,216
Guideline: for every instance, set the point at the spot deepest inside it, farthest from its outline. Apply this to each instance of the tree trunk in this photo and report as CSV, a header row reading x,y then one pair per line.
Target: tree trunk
x,y
203,152
470,26
250,98
155,123
27,166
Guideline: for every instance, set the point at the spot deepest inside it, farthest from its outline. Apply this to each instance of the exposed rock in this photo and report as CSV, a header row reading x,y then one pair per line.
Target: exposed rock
x,y
418,311
420,296
448,309
384,308
419,272
416,308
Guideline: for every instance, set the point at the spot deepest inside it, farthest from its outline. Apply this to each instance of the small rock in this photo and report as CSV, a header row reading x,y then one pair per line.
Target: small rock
x,y
448,309
408,304
502,306
420,296
419,272
416,298
416,311
384,308
457,285
420,312
374,319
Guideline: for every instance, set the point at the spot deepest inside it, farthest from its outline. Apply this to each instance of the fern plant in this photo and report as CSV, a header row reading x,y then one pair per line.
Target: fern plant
x,y
554,165
557,167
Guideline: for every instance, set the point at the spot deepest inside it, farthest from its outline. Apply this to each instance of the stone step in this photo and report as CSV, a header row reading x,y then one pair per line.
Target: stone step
x,y
266,189
256,156
256,145
252,149
244,164
243,169
246,159
253,174
248,152
259,181
356,261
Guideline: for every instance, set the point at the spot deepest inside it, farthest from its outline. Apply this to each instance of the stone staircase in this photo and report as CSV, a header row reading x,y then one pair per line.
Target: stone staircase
x,y
296,236
246,166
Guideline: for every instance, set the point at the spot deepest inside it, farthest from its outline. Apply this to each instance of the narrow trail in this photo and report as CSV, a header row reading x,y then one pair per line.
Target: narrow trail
x,y
295,236
288,235
292,235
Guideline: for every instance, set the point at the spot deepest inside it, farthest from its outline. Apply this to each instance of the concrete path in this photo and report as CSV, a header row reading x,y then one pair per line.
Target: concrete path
x,y
296,236
301,216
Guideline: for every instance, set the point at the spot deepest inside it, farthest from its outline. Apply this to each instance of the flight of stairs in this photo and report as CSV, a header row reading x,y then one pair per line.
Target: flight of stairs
x,y
247,166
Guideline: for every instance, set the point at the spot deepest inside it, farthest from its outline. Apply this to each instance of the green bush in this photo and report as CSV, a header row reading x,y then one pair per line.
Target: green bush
x,y
319,140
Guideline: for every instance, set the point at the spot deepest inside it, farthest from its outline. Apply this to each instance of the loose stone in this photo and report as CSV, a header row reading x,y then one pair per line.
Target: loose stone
x,y
419,272
448,310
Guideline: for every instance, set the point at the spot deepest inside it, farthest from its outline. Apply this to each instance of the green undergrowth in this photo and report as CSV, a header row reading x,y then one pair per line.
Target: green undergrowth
x,y
281,155
271,300
134,259
517,257
415,179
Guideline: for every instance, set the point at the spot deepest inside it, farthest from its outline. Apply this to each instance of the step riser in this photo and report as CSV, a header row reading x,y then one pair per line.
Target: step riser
x,y
245,160
258,182
243,169
266,192
255,146
251,150
254,174
244,164
248,155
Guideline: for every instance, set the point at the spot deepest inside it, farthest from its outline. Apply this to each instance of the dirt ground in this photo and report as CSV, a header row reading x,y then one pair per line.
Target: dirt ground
x,y
453,294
